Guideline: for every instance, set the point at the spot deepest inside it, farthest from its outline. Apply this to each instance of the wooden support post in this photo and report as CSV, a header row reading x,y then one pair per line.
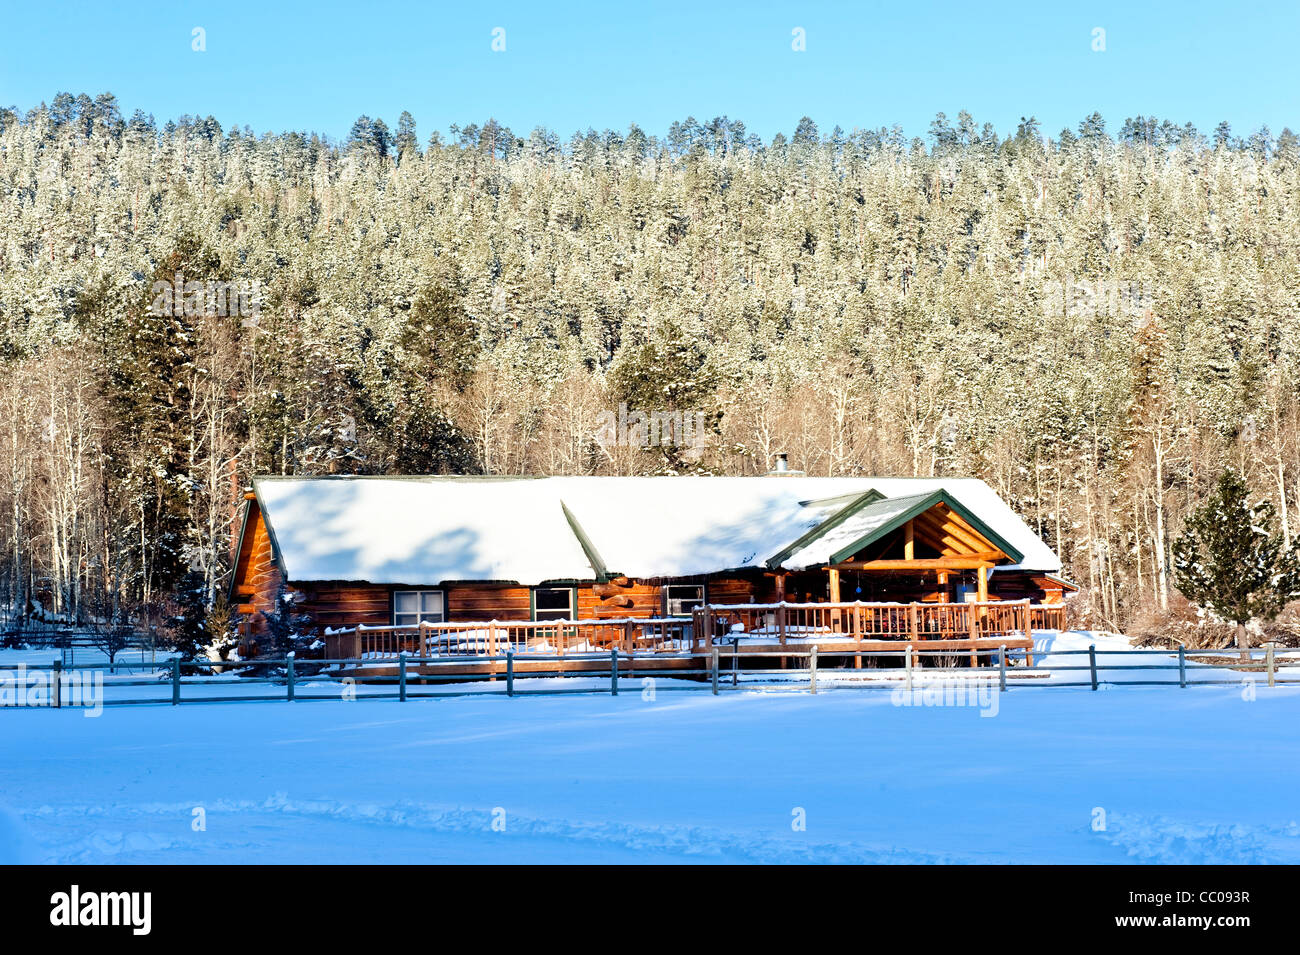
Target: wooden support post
x,y
401,677
289,681
913,627
510,672
812,670
973,622
907,666
176,681
1002,668
857,635
713,668
1268,663
780,628
909,541
613,672
836,624
1029,622
1182,667
56,671
1092,663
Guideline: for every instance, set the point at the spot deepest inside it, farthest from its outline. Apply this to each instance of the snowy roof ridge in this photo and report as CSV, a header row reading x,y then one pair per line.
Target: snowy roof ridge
x,y
424,529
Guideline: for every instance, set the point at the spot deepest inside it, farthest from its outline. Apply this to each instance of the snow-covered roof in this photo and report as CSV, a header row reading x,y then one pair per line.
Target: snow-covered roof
x,y
862,522
425,530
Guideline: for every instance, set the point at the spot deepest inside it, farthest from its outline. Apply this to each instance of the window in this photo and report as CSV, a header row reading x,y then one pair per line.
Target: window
x,y
411,607
681,599
553,603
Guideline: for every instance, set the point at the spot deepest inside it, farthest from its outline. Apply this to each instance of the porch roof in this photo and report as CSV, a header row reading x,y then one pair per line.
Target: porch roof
x,y
867,520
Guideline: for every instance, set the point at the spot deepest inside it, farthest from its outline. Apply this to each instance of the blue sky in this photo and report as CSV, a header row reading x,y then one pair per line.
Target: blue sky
x,y
317,66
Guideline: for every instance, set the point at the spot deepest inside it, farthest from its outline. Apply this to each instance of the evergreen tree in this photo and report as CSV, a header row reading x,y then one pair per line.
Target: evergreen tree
x,y
285,625
187,629
1228,559
406,140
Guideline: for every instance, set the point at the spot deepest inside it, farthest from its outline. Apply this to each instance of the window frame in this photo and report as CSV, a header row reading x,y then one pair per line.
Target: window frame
x,y
668,600
570,614
420,614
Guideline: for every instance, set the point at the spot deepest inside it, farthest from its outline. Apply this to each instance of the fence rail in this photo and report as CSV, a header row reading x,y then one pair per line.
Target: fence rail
x,y
720,667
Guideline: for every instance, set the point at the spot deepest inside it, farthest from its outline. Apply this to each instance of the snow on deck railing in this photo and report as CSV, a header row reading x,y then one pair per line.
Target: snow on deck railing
x,y
958,626
570,635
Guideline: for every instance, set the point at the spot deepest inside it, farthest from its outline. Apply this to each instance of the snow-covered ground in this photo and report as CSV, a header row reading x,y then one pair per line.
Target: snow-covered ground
x,y
1134,774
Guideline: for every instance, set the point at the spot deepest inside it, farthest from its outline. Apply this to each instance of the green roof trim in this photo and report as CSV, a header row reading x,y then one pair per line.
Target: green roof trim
x,y
588,548
239,549
855,505
922,505
270,533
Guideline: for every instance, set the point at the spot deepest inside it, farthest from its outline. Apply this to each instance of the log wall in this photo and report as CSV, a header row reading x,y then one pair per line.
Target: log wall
x,y
257,577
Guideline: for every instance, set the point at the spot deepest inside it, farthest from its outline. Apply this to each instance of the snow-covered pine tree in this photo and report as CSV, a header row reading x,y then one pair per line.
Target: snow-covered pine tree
x,y
1229,561
284,624
187,628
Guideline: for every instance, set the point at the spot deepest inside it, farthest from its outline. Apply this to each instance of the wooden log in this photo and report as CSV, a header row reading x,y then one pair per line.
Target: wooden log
x,y
836,624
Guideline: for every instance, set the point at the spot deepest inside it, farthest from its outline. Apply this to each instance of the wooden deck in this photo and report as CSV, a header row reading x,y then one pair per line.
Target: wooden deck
x,y
755,632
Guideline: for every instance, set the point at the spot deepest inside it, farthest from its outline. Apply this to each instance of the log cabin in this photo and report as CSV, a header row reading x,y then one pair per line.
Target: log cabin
x,y
400,552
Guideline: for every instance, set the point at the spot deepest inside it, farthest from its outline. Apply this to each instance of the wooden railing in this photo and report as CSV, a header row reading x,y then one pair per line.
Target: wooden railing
x,y
784,623
780,623
496,637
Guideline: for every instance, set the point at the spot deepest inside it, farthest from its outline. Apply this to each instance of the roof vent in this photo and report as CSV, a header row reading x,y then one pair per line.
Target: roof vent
x,y
781,466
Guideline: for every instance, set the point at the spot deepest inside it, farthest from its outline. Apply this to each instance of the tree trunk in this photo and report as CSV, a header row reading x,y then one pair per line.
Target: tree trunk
x,y
1161,545
1243,641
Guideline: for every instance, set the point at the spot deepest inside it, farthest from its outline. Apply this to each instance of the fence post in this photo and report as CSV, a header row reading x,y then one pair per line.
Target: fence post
x,y
1182,667
1268,662
1092,663
510,672
176,681
812,670
907,666
713,669
1002,668
289,674
56,699
613,672
401,677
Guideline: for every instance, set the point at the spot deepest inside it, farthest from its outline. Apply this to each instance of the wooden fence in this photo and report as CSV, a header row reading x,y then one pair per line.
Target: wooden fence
x,y
194,681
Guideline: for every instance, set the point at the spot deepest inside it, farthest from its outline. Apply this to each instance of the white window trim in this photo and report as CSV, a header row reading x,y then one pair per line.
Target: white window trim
x,y
669,601
418,615
572,611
